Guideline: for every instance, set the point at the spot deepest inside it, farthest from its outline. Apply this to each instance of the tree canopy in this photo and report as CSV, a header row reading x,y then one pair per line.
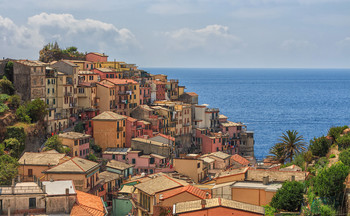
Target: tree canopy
x,y
289,197
291,143
8,169
320,146
52,52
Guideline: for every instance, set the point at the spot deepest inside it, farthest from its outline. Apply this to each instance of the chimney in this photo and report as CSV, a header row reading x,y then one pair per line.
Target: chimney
x,y
266,180
203,203
293,177
207,195
67,200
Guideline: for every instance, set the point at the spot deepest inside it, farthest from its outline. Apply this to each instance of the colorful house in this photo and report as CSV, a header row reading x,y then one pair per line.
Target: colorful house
x,y
109,130
78,143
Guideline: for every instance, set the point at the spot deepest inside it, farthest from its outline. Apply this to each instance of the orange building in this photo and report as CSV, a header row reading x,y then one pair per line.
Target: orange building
x,y
84,173
33,164
109,130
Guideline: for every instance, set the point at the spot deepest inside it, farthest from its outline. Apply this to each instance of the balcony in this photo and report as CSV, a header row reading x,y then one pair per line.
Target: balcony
x,y
124,92
68,94
73,105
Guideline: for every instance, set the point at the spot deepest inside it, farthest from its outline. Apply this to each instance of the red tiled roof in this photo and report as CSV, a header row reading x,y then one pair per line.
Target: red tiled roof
x,y
88,204
105,85
239,159
192,93
166,137
121,81
189,189
131,119
158,82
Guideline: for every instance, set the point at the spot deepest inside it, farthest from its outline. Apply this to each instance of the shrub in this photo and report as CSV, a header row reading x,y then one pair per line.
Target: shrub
x,y
36,110
289,197
22,115
4,98
345,157
321,163
269,210
14,101
343,141
91,157
332,156
16,148
8,169
54,143
320,146
79,127
6,86
17,133
327,210
329,183
3,108
335,132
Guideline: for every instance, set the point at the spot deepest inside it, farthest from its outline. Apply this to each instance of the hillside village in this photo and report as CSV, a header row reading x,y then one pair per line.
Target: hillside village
x,y
100,137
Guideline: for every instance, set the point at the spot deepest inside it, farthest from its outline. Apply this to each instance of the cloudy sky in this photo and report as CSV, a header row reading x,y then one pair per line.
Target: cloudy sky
x,y
184,33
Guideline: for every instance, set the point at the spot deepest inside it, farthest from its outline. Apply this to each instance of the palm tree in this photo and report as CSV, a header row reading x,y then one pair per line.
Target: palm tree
x,y
278,153
292,143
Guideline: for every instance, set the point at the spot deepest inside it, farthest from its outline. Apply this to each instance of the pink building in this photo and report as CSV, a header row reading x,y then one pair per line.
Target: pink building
x,y
234,131
145,94
148,164
209,142
136,128
96,57
160,90
106,73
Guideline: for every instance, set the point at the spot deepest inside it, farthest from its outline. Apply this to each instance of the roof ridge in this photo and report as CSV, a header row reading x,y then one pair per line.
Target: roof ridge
x,y
57,165
76,163
173,180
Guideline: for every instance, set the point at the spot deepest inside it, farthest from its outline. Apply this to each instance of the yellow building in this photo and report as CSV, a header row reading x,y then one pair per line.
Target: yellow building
x,y
105,97
193,168
78,143
87,96
109,130
127,95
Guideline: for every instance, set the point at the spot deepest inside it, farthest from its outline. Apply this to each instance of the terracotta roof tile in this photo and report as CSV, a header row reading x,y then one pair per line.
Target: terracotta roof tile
x,y
189,188
88,204
166,137
122,81
239,159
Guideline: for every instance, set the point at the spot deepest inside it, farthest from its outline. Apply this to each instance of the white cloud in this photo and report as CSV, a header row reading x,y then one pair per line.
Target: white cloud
x,y
213,37
93,35
296,45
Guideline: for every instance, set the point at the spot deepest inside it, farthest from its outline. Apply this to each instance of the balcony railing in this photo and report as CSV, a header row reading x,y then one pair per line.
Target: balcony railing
x,y
67,93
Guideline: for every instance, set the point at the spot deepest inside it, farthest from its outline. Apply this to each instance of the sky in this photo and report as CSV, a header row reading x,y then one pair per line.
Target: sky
x,y
184,33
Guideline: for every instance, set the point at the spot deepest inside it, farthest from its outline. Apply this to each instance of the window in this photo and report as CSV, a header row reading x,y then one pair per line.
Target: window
x,y
32,203
48,91
106,75
198,165
48,82
214,140
47,101
113,157
54,101
30,172
89,123
124,123
133,161
50,113
53,91
81,153
134,87
124,157
76,153
134,96
151,161
117,135
226,128
123,134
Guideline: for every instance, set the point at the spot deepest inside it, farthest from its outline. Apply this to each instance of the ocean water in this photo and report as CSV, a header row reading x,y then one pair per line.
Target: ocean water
x,y
271,101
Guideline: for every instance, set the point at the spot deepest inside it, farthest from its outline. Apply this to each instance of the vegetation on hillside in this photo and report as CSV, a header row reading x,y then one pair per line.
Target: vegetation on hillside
x,y
52,52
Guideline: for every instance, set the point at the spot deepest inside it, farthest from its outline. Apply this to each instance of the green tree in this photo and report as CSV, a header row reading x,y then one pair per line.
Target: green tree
x,y
79,127
320,146
329,182
308,157
289,197
14,101
6,86
292,143
91,157
345,157
14,146
54,143
22,115
16,132
343,141
37,110
8,169
334,132
278,153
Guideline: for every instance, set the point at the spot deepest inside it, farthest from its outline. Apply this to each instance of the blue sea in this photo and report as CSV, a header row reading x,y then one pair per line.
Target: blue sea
x,y
271,101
